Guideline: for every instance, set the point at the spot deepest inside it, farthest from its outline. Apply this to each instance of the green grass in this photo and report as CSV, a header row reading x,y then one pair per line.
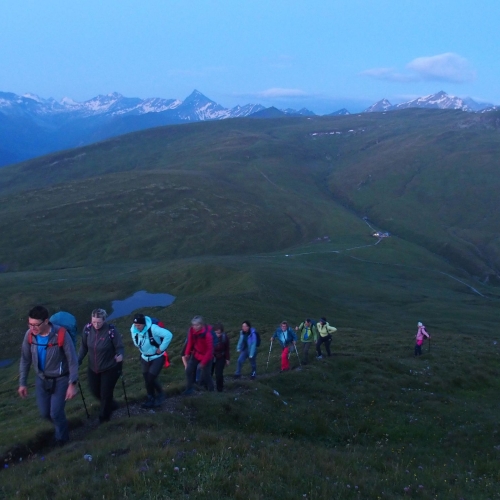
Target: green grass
x,y
226,216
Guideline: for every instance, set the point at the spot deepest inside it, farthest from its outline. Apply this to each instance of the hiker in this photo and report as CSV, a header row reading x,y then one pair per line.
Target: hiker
x,y
199,351
104,345
308,334
221,355
420,337
152,341
52,354
325,331
286,337
247,347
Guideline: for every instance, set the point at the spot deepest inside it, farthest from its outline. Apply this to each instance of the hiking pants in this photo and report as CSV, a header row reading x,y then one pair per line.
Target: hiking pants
x,y
285,365
418,348
305,352
324,340
218,367
101,386
150,372
206,379
244,355
51,404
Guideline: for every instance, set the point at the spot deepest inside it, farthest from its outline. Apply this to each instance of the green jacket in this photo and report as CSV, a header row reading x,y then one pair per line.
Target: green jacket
x,y
312,333
325,329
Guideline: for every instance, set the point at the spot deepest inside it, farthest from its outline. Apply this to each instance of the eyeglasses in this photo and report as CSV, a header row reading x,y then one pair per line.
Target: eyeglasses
x,y
38,325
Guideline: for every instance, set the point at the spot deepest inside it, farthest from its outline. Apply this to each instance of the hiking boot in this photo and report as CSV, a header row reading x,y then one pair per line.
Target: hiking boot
x,y
159,399
253,375
236,375
149,403
319,357
188,392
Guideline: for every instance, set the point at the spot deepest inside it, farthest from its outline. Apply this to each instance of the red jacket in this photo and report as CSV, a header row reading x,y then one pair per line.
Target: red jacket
x,y
201,344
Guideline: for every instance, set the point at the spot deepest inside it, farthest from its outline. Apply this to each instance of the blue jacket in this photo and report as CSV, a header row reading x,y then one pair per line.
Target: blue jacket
x,y
248,341
285,337
141,339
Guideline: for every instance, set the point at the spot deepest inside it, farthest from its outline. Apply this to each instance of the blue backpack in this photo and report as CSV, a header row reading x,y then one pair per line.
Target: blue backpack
x,y
67,320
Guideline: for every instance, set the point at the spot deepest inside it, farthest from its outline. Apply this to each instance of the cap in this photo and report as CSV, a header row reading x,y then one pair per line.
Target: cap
x,y
139,319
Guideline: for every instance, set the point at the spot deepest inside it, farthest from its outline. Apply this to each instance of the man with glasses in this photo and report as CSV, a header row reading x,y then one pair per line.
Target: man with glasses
x,y
56,367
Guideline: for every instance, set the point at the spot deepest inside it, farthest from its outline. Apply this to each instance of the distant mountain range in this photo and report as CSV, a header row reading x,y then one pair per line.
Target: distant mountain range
x,y
31,126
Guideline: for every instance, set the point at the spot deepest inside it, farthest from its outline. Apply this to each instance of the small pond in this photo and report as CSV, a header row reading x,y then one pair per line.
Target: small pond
x,y
139,300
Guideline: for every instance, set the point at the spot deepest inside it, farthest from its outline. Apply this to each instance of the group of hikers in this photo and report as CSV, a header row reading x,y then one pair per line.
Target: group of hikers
x,y
52,353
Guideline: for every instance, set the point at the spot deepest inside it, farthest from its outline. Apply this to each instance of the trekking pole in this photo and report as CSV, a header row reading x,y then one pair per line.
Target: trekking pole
x,y
125,393
429,344
298,357
269,355
83,399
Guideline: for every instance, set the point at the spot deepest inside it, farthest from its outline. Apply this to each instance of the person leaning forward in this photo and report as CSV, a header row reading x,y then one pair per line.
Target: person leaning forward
x,y
56,367
286,337
199,351
325,331
308,334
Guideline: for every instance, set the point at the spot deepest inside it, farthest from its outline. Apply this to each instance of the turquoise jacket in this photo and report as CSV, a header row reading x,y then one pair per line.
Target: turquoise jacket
x,y
141,339
285,337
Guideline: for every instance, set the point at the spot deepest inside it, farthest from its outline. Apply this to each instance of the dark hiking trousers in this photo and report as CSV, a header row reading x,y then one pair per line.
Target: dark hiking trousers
x,y
51,404
150,372
101,386
324,340
418,350
305,352
218,367
206,379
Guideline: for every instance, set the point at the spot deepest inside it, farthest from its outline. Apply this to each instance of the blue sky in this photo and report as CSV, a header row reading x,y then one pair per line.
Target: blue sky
x,y
321,54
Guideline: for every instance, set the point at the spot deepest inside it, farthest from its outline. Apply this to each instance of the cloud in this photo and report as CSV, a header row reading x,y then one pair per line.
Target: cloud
x,y
279,92
448,67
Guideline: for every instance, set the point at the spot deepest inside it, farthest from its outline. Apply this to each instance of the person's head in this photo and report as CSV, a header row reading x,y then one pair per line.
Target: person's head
x,y
245,326
197,323
323,321
307,322
140,321
218,329
420,323
284,325
38,320
98,318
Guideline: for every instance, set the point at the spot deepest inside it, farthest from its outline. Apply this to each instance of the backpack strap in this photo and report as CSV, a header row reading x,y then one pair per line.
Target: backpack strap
x,y
60,336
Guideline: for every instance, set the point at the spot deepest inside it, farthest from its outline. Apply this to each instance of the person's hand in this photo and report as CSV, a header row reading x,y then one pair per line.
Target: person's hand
x,y
23,391
272,339
296,328
227,362
184,361
119,358
71,391
293,342
158,351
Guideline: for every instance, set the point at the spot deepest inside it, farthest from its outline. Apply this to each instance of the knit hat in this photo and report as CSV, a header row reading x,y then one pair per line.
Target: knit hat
x,y
139,319
419,324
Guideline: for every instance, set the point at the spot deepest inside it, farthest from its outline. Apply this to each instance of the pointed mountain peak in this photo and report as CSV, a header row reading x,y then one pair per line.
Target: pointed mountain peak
x,y
197,97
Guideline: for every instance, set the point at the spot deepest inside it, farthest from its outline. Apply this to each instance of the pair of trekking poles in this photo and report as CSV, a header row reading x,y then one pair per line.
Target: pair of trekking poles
x,y
269,355
124,393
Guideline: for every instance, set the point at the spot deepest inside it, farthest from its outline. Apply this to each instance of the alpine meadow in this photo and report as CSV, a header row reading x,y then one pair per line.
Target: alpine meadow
x,y
269,220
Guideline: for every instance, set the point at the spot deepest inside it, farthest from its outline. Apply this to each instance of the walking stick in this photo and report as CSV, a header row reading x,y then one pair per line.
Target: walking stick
x,y
429,344
298,357
83,399
125,393
269,355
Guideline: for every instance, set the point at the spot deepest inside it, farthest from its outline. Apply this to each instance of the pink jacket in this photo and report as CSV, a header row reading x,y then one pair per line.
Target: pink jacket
x,y
422,332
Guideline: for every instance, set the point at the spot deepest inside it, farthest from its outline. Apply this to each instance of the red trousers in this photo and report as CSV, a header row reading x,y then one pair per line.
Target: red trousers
x,y
285,365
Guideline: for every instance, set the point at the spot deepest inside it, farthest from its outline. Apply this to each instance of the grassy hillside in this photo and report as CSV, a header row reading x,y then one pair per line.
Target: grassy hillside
x,y
263,220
